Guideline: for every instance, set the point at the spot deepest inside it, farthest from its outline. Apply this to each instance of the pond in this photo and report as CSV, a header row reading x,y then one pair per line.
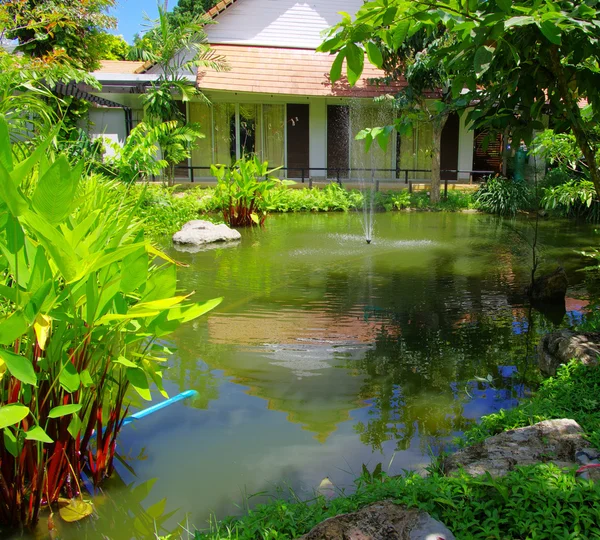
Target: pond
x,y
327,353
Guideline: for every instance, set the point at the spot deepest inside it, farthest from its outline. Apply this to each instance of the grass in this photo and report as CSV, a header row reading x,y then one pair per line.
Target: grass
x,y
165,209
540,501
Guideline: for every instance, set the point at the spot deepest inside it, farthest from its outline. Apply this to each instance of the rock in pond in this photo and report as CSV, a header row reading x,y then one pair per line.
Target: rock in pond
x,y
556,441
199,233
381,521
550,287
560,347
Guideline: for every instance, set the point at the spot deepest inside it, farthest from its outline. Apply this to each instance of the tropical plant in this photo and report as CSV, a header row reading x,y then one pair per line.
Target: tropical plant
x,y
502,196
86,297
574,198
241,190
177,50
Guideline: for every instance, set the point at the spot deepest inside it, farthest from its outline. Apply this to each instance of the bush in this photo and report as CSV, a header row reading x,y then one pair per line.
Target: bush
x,y
575,198
502,196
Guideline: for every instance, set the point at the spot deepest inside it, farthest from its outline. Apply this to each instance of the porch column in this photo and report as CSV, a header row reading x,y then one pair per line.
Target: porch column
x,y
318,136
465,148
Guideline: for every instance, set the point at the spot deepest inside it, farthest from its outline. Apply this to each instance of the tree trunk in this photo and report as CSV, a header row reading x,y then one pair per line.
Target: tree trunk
x,y
438,123
586,145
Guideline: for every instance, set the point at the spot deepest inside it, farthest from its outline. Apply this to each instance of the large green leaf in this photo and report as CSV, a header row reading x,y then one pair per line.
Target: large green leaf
x,y
9,193
551,32
139,381
36,433
12,414
69,378
5,149
54,196
13,327
19,366
355,60
374,54
336,68
184,315
64,410
134,271
483,59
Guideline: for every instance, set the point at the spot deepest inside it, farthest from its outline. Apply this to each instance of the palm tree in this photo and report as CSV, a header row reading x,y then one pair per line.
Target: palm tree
x,y
177,49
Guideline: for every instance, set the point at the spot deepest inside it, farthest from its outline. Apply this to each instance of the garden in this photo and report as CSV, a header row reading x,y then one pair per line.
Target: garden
x,y
151,390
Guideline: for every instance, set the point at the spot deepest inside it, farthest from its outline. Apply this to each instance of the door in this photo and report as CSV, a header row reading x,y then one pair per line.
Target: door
x,y
487,153
338,140
449,149
298,156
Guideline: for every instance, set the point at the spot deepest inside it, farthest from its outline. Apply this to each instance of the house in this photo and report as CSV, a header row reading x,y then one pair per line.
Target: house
x,y
276,100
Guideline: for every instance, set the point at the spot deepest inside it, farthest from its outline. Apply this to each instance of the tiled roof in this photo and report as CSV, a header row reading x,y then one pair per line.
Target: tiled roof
x,y
122,66
221,6
272,70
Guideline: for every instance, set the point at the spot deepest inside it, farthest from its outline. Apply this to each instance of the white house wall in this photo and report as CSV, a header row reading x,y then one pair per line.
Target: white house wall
x,y
279,23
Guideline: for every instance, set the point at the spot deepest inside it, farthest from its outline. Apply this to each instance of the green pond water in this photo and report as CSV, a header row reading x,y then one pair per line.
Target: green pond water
x,y
328,353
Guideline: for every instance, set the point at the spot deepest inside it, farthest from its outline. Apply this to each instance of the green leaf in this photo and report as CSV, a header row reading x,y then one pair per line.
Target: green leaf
x,y
69,378
12,327
483,59
64,410
9,193
86,378
19,366
551,32
521,20
12,414
36,433
139,381
504,5
74,426
374,54
400,34
134,271
330,44
194,311
125,362
5,149
336,68
10,443
55,192
355,60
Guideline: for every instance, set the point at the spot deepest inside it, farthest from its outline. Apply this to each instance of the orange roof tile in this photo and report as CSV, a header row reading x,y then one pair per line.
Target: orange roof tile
x,y
122,66
221,6
272,70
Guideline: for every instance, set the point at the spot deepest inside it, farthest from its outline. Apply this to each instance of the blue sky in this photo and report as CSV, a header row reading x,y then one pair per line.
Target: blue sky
x,y
130,15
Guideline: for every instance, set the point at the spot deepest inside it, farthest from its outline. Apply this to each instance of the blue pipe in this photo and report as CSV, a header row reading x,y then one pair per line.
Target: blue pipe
x,y
159,406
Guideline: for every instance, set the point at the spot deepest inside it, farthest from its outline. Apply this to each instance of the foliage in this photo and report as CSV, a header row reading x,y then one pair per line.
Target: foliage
x,y
502,196
111,47
49,29
26,98
574,198
510,61
189,9
138,159
241,190
176,49
572,393
87,298
540,501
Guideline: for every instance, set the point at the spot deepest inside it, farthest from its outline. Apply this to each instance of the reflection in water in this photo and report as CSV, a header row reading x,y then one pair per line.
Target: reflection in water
x,y
328,353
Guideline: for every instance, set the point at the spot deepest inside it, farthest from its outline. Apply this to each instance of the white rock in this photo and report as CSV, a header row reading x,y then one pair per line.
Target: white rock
x,y
199,232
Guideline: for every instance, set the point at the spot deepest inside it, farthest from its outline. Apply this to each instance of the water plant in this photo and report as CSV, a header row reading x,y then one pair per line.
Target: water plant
x,y
241,190
85,297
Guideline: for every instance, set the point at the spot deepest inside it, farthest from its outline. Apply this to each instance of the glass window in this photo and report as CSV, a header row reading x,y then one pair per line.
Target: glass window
x,y
202,152
415,151
224,133
250,130
274,135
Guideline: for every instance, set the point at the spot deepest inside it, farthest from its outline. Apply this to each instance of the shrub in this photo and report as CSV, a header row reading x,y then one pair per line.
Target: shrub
x,y
574,198
502,196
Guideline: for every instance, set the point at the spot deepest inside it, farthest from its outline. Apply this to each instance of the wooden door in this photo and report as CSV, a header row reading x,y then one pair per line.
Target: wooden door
x,y
449,149
298,155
